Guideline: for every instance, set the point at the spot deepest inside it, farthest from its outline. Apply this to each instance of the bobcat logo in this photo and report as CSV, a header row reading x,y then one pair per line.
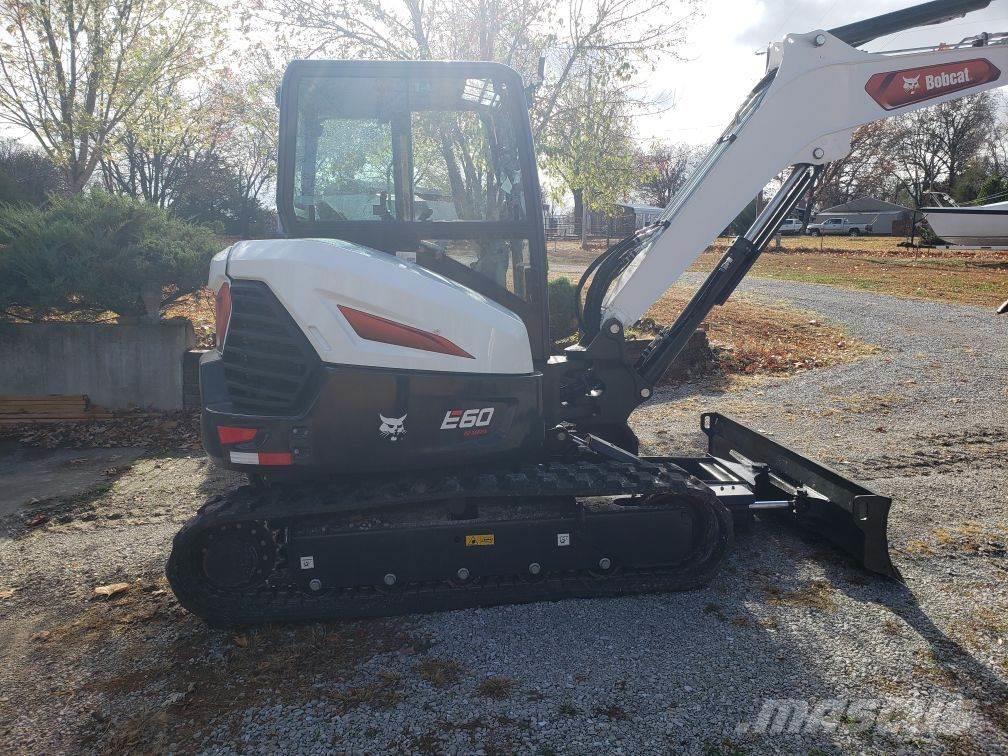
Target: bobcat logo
x,y
392,428
911,85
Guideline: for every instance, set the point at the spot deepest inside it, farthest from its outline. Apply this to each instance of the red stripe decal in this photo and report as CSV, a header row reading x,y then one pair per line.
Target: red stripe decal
x,y
374,328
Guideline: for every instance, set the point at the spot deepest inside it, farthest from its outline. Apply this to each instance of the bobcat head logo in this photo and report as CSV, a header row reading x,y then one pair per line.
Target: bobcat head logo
x,y
911,85
392,428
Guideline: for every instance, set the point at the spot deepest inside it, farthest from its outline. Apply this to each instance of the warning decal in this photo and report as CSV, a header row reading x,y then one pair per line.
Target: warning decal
x,y
484,539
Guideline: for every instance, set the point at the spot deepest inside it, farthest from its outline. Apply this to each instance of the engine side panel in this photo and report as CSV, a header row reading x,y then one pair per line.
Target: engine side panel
x,y
369,419
313,278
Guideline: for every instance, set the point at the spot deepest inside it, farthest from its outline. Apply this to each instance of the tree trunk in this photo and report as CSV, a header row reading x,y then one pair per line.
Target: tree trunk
x,y
585,225
578,211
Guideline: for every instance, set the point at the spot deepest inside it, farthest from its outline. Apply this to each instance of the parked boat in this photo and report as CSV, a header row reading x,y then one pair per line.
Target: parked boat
x,y
969,226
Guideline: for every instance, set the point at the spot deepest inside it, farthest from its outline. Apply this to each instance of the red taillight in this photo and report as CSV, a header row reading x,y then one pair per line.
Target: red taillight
x,y
223,312
232,435
374,328
276,458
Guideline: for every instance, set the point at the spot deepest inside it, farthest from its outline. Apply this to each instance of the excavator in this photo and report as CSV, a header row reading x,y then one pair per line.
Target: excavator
x,y
385,376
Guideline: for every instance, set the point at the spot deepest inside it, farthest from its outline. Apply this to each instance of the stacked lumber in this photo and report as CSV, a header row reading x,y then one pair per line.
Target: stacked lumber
x,y
48,407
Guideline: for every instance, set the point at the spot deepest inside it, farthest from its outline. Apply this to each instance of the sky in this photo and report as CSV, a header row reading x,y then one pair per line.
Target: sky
x,y
720,64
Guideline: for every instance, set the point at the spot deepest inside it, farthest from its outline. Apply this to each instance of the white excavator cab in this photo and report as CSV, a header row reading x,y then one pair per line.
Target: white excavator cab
x,y
430,161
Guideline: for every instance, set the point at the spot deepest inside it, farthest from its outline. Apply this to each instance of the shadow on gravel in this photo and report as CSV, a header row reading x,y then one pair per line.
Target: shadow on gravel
x,y
954,666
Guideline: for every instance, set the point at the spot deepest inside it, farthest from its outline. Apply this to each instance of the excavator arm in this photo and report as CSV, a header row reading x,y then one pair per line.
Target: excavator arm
x,y
818,88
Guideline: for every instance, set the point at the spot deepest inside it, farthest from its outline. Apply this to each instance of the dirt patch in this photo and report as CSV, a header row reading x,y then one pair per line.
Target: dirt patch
x,y
172,700
199,309
752,338
967,276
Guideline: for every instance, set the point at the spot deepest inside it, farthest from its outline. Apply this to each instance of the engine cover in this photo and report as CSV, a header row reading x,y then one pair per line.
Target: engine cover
x,y
314,278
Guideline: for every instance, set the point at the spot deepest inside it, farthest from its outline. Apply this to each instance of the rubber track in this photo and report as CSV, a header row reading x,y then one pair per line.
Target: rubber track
x,y
281,601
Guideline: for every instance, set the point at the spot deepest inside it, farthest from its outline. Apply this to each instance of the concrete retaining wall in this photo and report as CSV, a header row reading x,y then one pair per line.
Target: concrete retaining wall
x,y
117,366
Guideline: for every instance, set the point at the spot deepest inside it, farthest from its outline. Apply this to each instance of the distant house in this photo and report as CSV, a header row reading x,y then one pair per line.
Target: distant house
x,y
643,215
625,218
884,217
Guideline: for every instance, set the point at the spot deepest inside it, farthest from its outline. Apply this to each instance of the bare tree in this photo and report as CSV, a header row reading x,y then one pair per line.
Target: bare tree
x,y
663,168
71,72
606,42
962,129
151,156
249,144
867,171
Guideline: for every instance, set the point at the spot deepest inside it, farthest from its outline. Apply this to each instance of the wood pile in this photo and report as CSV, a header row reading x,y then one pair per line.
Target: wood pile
x,y
20,409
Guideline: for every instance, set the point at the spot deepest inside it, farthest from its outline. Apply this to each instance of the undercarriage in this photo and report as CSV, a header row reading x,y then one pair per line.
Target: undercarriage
x,y
597,524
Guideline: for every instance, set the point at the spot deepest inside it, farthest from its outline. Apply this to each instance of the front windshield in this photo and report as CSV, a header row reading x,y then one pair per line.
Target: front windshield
x,y
405,150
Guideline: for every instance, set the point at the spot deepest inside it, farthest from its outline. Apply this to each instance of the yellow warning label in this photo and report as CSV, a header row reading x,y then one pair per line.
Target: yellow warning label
x,y
485,539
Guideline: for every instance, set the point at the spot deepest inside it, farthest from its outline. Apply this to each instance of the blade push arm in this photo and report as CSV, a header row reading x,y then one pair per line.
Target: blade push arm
x,y
818,89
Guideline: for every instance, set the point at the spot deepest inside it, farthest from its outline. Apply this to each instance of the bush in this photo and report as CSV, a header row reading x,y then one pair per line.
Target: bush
x,y
27,176
92,253
562,309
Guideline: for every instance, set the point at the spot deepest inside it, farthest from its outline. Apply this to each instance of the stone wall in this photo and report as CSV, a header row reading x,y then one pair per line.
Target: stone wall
x,y
117,366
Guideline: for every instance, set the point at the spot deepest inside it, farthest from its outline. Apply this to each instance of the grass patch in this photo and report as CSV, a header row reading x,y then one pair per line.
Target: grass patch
x,y
497,687
615,712
816,594
977,277
440,673
569,710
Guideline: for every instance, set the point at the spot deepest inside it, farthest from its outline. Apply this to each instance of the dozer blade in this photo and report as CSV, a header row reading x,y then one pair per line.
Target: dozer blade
x,y
811,494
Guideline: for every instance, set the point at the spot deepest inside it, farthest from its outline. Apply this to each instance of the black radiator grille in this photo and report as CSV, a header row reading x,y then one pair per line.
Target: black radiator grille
x,y
268,362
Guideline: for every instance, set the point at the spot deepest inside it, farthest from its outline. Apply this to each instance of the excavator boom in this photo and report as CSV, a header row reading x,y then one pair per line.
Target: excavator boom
x,y
775,129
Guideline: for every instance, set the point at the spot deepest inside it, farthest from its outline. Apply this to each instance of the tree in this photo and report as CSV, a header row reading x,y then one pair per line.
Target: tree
x,y
868,171
27,176
249,143
612,39
150,156
663,167
72,71
207,154
961,129
588,143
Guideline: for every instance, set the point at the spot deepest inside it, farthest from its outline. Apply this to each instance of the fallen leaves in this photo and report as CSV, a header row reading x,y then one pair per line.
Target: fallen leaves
x,y
148,430
752,338
111,589
7,593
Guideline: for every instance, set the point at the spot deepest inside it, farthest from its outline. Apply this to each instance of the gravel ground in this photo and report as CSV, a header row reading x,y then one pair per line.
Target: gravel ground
x,y
922,421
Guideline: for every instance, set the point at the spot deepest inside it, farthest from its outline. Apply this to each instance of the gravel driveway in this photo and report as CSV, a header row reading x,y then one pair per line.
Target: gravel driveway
x,y
788,619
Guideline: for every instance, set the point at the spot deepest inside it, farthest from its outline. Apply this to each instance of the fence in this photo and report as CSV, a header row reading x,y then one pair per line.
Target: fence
x,y
567,226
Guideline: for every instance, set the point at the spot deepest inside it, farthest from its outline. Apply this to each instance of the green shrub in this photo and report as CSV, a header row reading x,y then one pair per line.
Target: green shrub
x,y
93,253
562,309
